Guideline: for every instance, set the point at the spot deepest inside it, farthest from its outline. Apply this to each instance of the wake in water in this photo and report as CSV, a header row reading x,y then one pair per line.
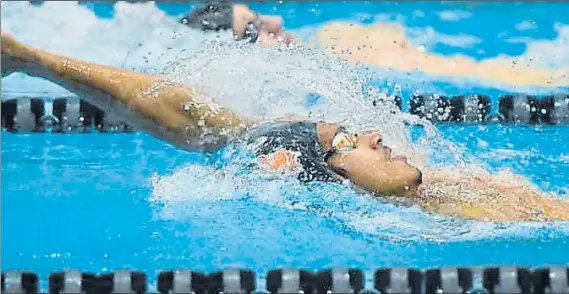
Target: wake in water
x,y
266,83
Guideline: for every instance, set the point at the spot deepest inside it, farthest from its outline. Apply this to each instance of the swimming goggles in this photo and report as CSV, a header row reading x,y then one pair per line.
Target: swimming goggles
x,y
342,142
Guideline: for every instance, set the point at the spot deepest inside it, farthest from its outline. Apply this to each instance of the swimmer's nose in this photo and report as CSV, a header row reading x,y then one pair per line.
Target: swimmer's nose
x,y
376,141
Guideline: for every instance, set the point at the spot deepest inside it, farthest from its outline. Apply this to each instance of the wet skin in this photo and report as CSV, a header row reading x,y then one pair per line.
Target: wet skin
x,y
370,165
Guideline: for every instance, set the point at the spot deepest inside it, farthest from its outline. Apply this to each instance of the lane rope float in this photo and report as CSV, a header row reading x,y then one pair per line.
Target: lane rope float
x,y
70,114
446,279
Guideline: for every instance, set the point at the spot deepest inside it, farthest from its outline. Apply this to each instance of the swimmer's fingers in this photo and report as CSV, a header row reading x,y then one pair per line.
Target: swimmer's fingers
x,y
289,38
268,39
273,27
271,23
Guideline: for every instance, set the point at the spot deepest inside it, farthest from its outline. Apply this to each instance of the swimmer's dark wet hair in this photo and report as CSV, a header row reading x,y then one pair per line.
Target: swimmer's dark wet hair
x,y
213,16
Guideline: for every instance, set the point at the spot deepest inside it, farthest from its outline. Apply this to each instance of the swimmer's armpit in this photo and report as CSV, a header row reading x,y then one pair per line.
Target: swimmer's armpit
x,y
162,108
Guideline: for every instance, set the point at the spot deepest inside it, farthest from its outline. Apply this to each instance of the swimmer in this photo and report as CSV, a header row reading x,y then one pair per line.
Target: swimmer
x,y
385,45
267,30
314,151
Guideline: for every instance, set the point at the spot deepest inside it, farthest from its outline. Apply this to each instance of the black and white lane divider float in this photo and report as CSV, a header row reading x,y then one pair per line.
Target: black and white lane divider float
x,y
61,115
74,115
458,109
477,109
480,279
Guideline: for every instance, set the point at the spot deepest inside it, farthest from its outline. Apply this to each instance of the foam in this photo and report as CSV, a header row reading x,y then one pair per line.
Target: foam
x,y
454,15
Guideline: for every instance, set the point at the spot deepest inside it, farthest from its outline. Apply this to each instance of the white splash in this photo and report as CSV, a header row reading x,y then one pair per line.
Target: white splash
x,y
254,81
454,15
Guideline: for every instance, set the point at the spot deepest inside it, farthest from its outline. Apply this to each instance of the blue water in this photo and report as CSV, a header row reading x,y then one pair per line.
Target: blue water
x,y
82,201
85,201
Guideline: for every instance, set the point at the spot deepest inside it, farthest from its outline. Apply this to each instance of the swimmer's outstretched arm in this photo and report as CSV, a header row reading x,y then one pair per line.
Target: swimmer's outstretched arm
x,y
485,198
167,110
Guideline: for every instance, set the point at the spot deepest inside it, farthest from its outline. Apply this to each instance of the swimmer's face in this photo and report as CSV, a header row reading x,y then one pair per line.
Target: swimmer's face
x,y
370,165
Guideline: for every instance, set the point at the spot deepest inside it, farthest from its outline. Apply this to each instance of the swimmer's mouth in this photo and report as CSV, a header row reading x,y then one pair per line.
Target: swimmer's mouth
x,y
388,153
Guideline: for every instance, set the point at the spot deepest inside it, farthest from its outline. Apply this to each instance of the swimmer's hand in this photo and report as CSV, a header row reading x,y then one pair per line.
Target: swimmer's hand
x,y
271,39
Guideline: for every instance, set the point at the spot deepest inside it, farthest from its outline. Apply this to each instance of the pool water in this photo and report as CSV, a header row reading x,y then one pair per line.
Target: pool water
x,y
99,202
84,201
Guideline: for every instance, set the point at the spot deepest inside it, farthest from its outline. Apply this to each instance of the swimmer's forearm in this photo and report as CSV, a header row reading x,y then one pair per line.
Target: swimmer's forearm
x,y
167,110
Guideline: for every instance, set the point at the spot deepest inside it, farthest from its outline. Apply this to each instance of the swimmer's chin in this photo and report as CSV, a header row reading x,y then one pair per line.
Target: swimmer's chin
x,y
413,189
